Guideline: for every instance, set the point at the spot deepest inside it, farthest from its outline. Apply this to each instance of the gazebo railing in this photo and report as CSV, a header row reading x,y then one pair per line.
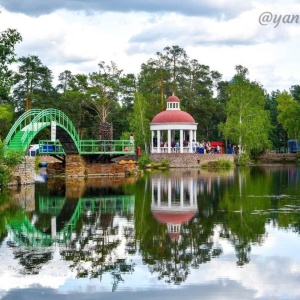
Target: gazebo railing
x,y
173,150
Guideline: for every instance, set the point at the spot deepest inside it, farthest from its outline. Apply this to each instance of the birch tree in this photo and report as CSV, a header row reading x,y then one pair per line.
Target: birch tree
x,y
289,111
247,122
139,123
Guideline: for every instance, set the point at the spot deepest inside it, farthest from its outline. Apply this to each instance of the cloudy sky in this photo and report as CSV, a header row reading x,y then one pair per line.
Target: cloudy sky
x,y
76,35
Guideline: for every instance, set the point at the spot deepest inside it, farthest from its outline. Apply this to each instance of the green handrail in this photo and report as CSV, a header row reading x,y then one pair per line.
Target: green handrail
x,y
106,204
46,116
33,121
21,122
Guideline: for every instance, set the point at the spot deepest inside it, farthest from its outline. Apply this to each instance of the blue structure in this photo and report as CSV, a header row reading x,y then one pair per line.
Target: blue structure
x,y
293,146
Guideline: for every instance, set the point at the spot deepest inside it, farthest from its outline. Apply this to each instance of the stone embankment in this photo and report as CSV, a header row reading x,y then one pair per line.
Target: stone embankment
x,y
189,160
76,165
24,173
279,158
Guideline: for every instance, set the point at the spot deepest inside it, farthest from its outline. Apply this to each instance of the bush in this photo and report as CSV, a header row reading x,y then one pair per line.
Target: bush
x,y
165,163
218,164
144,160
8,160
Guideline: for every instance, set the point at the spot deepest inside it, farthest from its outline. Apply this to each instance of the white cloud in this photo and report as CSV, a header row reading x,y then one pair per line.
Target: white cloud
x,y
77,41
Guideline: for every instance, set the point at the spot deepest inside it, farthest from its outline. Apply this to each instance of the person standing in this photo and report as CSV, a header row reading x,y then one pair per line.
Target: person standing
x,y
131,141
194,146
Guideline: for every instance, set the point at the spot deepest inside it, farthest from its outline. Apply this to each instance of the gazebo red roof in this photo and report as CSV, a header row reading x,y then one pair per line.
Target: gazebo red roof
x,y
173,116
173,217
173,98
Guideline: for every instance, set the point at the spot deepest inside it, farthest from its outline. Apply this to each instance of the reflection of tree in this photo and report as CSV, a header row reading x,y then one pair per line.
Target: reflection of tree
x,y
32,260
173,258
93,250
238,223
168,256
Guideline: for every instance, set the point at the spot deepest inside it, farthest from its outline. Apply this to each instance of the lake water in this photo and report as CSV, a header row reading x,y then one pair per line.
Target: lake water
x,y
180,234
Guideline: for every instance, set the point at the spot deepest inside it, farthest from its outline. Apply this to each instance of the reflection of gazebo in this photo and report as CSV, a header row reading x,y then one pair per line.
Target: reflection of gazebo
x,y
170,126
174,202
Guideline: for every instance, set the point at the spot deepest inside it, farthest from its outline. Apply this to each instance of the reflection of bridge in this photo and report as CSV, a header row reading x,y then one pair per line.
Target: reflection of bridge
x,y
24,232
66,140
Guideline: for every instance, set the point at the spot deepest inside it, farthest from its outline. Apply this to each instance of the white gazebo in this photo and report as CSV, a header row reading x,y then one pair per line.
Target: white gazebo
x,y
173,130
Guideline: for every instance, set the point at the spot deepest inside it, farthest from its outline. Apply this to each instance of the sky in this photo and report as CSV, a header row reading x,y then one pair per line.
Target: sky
x,y
76,35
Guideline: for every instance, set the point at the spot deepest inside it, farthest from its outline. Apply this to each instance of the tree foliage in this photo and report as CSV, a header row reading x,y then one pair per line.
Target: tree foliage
x,y
289,110
8,40
139,123
32,84
6,118
247,123
7,163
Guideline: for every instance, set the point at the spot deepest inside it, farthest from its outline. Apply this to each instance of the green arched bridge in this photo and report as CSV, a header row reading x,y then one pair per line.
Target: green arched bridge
x,y
67,140
24,232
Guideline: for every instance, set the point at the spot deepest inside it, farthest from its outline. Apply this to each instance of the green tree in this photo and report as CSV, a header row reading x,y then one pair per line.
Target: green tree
x,y
8,39
64,79
139,124
295,91
7,163
75,102
33,85
155,82
278,135
247,122
289,110
104,88
6,118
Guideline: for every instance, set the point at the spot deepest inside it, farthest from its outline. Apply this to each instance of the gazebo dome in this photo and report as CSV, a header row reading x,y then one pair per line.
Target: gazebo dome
x,y
173,98
173,114
173,220
167,217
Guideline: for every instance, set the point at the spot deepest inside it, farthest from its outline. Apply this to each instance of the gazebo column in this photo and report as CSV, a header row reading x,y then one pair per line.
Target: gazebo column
x,y
152,141
169,193
191,139
158,141
169,140
181,192
191,190
159,193
181,141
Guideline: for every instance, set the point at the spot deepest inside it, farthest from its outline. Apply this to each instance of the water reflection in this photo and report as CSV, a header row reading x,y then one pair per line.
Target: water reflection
x,y
166,229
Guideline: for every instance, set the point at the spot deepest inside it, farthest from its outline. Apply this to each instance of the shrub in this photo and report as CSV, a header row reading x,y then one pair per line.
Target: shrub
x,y
165,163
218,164
8,160
144,160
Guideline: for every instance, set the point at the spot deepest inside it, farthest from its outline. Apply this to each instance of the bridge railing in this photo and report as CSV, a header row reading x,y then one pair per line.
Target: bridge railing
x,y
106,146
89,147
50,147
21,122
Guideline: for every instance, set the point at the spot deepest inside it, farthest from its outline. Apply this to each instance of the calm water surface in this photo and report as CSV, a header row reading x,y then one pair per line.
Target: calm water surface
x,y
167,235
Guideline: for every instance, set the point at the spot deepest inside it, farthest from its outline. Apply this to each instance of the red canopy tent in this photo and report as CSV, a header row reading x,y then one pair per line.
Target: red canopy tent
x,y
215,144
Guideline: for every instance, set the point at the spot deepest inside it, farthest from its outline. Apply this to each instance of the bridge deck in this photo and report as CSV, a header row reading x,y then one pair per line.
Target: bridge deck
x,y
89,147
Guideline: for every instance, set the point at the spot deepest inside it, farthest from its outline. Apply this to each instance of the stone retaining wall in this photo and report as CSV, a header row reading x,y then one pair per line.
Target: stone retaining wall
x,y
189,160
282,158
25,172
77,166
